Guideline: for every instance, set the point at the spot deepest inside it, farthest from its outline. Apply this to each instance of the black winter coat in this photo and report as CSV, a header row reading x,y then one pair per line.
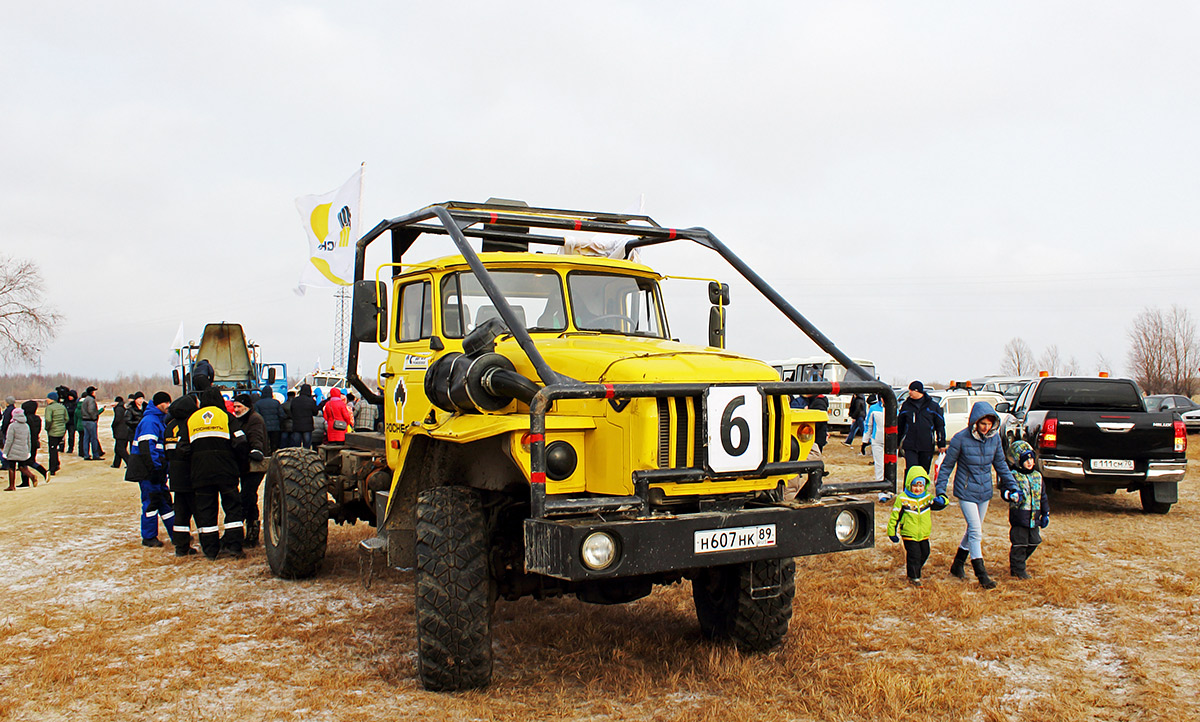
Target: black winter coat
x,y
121,431
304,409
920,425
255,431
271,412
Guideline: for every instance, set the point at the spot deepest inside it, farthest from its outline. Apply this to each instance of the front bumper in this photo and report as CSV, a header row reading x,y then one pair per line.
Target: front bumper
x,y
652,545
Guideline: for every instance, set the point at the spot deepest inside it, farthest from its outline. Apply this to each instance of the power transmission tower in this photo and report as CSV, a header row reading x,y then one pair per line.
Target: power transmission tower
x,y
341,328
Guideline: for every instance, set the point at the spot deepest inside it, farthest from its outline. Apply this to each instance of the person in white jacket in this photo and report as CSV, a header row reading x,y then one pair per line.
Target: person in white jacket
x,y
18,450
874,433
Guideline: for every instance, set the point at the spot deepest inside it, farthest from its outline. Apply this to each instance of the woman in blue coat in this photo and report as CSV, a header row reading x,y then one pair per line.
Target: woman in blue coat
x,y
973,453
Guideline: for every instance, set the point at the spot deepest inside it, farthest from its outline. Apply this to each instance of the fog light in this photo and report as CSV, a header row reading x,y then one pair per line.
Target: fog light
x,y
807,432
846,526
599,550
561,460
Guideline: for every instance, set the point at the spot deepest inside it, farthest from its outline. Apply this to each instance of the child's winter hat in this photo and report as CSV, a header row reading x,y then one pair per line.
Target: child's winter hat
x,y
1021,450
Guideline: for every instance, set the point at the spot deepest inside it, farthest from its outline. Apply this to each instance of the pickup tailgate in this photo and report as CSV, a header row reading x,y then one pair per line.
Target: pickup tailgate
x,y
1115,441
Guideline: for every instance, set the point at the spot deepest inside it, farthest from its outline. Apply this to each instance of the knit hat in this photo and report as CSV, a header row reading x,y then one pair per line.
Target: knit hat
x,y
89,390
137,395
161,397
244,399
917,386
53,396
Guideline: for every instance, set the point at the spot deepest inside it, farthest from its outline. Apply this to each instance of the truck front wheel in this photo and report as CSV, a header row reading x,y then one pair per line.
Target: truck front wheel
x,y
296,513
749,604
453,590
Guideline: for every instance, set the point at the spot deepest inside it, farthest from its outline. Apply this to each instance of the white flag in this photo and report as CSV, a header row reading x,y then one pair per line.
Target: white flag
x,y
332,222
177,346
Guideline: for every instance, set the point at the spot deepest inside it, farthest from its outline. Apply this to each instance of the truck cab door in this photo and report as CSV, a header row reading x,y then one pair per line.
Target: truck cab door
x,y
409,356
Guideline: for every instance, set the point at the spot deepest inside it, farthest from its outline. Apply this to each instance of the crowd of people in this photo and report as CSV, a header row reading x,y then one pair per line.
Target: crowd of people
x,y
191,456
930,463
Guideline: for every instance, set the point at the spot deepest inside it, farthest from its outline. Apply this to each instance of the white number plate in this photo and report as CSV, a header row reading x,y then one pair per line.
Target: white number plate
x,y
735,433
1112,464
742,537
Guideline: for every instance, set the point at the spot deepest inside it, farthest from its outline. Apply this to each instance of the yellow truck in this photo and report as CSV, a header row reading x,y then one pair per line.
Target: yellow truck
x,y
545,435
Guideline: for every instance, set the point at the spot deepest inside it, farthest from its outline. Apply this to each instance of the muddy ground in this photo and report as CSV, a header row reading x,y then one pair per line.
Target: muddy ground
x,y
96,627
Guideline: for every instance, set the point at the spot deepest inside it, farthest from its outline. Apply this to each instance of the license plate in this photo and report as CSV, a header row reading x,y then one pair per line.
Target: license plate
x,y
726,540
1112,464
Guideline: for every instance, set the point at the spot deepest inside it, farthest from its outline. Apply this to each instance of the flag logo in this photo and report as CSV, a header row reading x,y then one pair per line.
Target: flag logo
x,y
207,416
331,222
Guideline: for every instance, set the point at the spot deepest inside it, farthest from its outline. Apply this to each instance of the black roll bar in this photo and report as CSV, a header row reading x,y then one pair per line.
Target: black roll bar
x,y
455,216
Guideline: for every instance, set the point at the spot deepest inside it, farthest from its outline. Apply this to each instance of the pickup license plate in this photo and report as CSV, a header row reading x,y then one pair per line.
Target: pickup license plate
x,y
727,540
1112,464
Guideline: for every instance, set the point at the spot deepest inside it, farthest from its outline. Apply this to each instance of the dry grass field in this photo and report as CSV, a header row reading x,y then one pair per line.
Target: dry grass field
x,y
96,627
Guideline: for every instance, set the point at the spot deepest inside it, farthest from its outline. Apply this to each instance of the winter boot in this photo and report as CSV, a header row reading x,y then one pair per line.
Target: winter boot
x,y
1016,562
251,539
981,574
957,568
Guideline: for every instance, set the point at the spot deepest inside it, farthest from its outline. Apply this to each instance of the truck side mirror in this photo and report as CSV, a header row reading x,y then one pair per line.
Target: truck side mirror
x,y
716,327
175,376
718,293
369,321
1003,407
270,374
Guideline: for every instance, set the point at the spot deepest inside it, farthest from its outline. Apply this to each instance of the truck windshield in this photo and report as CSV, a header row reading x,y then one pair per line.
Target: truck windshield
x,y
535,296
609,303
1065,394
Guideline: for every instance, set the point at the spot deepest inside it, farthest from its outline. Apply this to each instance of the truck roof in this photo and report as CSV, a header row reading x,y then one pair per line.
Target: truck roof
x,y
513,259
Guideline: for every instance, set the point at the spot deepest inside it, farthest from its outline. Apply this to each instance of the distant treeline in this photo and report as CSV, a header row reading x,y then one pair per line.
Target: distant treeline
x,y
36,386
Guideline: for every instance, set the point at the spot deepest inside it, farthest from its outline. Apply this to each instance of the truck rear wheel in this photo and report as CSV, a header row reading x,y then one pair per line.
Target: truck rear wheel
x,y
296,513
453,590
1149,505
739,602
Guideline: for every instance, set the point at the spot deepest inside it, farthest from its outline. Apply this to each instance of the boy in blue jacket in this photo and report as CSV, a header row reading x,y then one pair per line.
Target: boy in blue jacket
x,y
1028,512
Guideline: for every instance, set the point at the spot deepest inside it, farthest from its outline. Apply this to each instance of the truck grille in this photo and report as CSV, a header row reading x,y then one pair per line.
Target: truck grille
x,y
681,431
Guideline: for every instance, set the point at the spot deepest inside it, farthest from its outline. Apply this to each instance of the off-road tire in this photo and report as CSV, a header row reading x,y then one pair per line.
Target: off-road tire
x,y
453,590
1149,505
727,609
295,513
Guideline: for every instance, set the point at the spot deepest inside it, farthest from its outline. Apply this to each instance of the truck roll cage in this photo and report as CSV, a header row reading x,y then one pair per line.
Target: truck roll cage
x,y
509,225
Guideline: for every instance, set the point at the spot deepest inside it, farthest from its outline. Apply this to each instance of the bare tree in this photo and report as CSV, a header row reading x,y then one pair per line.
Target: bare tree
x,y
27,323
1164,351
1018,358
1103,365
1072,367
1051,362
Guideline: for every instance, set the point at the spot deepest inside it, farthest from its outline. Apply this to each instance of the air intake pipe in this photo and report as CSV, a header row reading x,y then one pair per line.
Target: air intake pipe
x,y
460,383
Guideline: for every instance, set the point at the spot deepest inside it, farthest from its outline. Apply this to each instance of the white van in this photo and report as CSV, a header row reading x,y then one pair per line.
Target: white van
x,y
824,368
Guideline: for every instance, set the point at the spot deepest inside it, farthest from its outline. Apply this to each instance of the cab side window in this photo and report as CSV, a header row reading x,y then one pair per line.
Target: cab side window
x,y
415,317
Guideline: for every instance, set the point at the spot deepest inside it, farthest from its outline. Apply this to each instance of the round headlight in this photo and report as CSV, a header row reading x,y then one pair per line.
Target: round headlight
x,y
846,526
599,550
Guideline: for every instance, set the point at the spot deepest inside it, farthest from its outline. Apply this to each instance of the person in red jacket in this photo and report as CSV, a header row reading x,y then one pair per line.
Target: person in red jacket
x,y
336,411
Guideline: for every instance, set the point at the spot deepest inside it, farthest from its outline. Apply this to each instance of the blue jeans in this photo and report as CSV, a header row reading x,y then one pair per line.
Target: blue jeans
x,y
89,443
302,438
973,538
858,427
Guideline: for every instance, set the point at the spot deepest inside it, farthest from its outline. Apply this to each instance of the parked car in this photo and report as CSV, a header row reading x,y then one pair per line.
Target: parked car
x,y
1095,435
1008,386
956,407
1187,409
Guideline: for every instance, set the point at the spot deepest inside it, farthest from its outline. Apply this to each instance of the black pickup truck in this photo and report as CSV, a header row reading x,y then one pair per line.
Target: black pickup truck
x,y
1095,435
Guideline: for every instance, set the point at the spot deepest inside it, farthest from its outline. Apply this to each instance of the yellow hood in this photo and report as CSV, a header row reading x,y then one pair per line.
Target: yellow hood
x,y
626,359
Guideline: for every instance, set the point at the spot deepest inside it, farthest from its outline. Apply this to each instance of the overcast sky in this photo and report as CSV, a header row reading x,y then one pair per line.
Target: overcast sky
x,y
924,181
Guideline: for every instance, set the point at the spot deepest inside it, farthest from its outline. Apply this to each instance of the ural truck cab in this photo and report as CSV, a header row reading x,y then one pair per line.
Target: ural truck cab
x,y
545,435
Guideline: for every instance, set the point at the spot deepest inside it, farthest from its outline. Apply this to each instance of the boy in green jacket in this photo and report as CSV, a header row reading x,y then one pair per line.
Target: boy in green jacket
x,y
912,521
